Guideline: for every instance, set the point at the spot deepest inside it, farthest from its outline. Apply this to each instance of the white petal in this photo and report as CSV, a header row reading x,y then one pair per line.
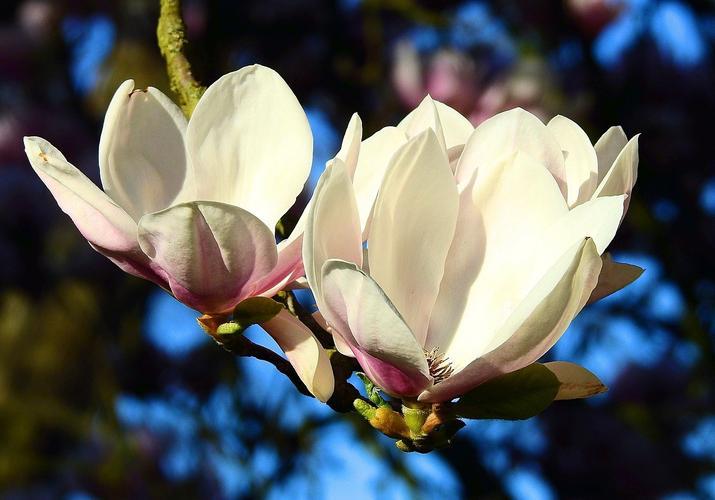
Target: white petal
x,y
304,352
607,149
576,381
503,215
332,229
361,313
581,161
142,158
412,229
613,277
622,176
250,143
375,154
456,128
535,325
212,253
503,135
350,147
423,117
100,220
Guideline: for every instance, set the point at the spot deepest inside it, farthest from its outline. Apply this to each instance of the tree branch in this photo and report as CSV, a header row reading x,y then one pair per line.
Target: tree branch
x,y
171,35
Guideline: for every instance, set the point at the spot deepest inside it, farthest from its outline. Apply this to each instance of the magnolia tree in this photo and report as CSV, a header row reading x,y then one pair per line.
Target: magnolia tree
x,y
444,260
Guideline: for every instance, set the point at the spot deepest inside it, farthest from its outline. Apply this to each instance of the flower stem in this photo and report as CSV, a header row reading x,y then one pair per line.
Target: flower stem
x,y
171,35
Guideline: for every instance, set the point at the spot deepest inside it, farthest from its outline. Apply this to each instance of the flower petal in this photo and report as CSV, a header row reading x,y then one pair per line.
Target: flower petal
x,y
361,313
100,220
142,159
375,154
423,117
304,352
506,133
503,214
608,148
576,381
412,228
455,127
581,161
534,326
350,147
211,253
613,277
250,143
332,230
622,176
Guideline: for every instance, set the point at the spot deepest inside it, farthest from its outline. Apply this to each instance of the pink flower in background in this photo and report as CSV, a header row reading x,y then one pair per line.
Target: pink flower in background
x,y
594,15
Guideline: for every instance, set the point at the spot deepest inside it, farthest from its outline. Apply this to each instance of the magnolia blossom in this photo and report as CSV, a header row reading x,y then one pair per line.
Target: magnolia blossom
x,y
192,206
482,246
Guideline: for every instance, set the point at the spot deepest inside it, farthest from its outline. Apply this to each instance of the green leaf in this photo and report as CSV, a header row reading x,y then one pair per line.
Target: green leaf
x,y
514,396
255,310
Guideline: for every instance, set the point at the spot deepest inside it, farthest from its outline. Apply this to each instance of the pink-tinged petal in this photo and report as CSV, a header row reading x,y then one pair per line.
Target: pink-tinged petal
x,y
503,135
137,264
359,311
304,352
332,230
614,276
622,175
211,253
412,228
375,154
581,161
142,158
250,143
608,147
289,267
100,220
423,117
534,327
576,381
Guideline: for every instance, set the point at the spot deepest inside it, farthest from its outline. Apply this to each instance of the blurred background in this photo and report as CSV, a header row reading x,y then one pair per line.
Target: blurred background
x,y
108,389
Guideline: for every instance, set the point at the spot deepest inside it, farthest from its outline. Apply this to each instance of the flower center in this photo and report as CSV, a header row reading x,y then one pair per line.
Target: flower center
x,y
440,368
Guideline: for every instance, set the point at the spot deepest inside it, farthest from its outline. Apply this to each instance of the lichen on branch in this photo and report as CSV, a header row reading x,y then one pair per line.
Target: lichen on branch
x,y
171,35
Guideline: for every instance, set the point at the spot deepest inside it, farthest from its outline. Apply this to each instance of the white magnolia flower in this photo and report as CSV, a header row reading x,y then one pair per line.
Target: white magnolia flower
x,y
483,245
192,206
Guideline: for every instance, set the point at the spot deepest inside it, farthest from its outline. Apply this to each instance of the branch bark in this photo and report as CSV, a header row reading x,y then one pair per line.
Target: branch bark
x,y
171,35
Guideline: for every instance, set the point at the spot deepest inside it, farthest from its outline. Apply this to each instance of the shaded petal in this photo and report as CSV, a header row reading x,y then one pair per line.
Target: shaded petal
x,y
534,326
304,352
423,117
250,143
332,230
100,220
503,135
142,159
613,277
581,161
412,228
211,253
359,311
576,381
375,154
622,176
608,147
